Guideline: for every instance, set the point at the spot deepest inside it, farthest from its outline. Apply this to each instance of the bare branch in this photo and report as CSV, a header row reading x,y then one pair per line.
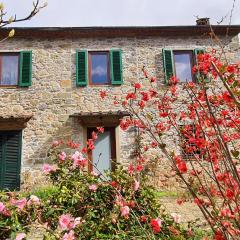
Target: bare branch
x,y
36,8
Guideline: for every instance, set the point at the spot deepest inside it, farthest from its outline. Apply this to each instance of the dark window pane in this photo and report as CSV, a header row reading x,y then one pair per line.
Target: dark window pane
x,y
183,66
9,72
99,68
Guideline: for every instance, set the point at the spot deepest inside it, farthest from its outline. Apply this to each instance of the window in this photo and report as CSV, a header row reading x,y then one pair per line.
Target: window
x,y
99,67
10,159
9,69
16,69
183,61
179,63
189,147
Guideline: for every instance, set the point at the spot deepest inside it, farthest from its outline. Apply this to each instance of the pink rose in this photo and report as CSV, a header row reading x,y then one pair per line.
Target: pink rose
x,y
33,200
66,222
2,207
55,144
19,203
69,236
94,174
76,155
93,187
76,222
48,168
125,211
62,156
79,160
136,185
20,236
176,217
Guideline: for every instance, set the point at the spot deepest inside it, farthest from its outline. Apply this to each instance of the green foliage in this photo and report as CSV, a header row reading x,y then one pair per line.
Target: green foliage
x,y
94,203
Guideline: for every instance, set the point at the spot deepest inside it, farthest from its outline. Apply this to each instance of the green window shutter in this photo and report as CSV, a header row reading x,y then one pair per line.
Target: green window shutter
x,y
2,154
168,64
196,52
116,66
25,76
81,68
10,159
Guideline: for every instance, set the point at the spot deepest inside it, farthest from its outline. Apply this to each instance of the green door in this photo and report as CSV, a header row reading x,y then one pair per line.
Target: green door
x,y
10,159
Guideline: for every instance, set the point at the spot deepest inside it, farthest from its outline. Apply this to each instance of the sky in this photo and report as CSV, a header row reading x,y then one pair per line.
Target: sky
x,y
79,13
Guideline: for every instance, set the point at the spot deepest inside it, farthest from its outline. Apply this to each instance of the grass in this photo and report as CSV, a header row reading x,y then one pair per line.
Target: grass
x,y
160,194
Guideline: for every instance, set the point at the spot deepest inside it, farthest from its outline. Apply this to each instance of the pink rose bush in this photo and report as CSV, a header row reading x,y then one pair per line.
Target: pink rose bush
x,y
88,205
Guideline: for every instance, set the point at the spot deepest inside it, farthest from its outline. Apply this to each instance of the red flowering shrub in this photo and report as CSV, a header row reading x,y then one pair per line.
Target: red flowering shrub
x,y
204,117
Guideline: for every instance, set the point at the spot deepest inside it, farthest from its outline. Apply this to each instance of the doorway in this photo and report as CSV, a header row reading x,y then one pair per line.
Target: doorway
x,y
103,157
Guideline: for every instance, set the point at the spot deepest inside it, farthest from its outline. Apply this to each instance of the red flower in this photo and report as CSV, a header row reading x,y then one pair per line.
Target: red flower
x,y
173,80
103,94
156,225
130,169
141,104
125,124
114,184
145,96
73,145
154,144
182,167
191,84
100,129
84,150
139,168
131,96
145,148
194,69
229,194
137,85
218,235
131,204
163,114
143,219
124,103
231,68
153,79
153,93
180,201
90,144
198,201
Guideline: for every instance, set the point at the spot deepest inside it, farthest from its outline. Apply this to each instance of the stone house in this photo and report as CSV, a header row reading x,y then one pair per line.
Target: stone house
x,y
50,80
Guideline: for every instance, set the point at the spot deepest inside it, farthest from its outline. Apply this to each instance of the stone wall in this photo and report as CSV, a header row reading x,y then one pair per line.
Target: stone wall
x,y
53,96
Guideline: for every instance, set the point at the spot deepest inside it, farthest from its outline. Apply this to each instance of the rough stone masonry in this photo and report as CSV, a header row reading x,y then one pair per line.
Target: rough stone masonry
x,y
53,96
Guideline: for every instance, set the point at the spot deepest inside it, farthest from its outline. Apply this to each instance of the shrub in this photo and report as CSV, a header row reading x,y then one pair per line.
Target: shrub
x,y
83,205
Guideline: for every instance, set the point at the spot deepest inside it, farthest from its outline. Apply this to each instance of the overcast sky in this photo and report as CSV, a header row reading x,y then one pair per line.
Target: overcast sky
x,y
124,12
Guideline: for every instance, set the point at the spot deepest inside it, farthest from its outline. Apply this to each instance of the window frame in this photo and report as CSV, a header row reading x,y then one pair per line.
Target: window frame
x,y
184,143
192,61
90,53
9,54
